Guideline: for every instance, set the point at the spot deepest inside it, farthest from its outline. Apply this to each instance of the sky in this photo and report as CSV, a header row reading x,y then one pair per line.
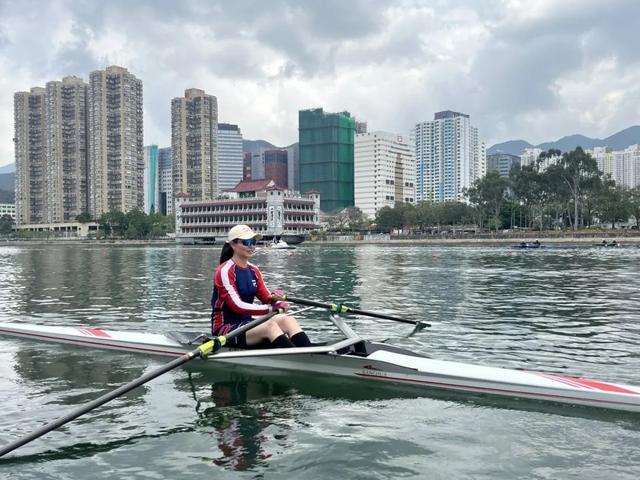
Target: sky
x,y
535,70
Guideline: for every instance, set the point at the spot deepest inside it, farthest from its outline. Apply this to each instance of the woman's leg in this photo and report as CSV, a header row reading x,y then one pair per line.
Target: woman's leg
x,y
273,328
288,324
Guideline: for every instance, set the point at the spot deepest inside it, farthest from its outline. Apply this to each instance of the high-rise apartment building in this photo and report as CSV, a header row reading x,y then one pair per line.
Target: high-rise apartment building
x,y
326,156
194,145
449,157
605,159
276,167
627,166
165,182
530,156
116,155
65,150
230,156
384,171
151,180
29,138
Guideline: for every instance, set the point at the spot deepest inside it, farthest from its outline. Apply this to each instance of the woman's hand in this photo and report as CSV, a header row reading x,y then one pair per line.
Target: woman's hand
x,y
280,306
278,294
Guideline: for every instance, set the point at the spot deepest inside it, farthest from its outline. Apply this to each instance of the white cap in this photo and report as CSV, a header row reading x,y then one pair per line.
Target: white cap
x,y
243,232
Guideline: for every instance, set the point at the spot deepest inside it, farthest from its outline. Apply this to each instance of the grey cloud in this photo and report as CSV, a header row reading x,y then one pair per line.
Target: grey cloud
x,y
512,70
521,76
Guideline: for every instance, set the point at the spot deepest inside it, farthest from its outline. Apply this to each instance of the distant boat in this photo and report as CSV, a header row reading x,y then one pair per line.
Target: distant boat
x,y
604,243
281,245
535,244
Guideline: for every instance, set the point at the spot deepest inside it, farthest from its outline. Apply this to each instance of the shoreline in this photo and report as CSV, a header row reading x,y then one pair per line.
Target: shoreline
x,y
497,242
84,241
557,241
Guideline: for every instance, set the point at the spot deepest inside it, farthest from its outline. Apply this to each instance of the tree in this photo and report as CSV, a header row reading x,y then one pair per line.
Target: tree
x,y
488,194
576,169
113,222
388,218
612,203
84,217
423,214
527,188
355,218
633,197
6,225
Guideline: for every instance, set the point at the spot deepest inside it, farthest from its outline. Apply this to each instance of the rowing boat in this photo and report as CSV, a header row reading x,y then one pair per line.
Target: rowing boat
x,y
355,357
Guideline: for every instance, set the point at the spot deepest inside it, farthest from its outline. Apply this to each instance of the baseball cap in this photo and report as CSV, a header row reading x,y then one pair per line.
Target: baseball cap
x,y
243,232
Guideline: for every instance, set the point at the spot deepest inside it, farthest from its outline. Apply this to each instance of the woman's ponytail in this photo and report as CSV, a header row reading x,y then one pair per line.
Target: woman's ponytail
x,y
227,253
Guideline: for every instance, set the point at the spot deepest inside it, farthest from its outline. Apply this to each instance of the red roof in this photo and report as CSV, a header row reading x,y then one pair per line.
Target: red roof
x,y
251,186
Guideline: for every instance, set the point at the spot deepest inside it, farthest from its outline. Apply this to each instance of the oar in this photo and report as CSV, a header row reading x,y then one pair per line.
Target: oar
x,y
207,348
340,308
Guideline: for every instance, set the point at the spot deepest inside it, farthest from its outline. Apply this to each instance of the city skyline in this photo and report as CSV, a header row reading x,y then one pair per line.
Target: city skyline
x,y
264,63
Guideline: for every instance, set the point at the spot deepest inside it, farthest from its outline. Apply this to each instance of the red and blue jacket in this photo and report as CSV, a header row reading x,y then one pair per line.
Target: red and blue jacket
x,y
234,289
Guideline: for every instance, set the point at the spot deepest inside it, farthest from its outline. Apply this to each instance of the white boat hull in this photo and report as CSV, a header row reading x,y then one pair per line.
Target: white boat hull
x,y
379,363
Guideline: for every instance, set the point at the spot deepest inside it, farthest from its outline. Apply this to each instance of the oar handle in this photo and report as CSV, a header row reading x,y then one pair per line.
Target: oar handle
x,y
340,308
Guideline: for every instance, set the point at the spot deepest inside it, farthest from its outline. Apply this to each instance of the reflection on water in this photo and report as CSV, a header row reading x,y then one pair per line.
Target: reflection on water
x,y
569,311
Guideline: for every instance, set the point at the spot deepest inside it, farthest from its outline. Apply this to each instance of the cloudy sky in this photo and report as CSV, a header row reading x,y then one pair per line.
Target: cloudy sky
x,y
531,69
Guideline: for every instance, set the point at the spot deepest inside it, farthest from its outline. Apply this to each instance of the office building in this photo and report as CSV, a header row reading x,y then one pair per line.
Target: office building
x,y
151,180
293,166
246,165
165,182
257,165
449,157
194,145
326,142
230,156
116,154
276,167
502,163
384,171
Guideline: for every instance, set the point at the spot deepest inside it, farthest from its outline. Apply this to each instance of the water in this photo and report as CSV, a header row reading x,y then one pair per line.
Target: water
x,y
573,312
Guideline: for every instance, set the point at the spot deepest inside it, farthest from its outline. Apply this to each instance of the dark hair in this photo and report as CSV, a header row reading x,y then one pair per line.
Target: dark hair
x,y
226,254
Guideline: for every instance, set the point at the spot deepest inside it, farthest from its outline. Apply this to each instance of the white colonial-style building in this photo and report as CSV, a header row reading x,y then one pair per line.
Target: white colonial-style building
x,y
8,209
269,210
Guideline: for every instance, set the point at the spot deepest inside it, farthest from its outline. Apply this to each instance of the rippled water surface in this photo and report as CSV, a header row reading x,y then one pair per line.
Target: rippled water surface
x,y
570,311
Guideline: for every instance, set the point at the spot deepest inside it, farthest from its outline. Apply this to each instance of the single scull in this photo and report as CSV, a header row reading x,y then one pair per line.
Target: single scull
x,y
358,358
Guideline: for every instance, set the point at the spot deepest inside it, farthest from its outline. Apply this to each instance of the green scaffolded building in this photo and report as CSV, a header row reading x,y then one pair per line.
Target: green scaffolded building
x,y
326,156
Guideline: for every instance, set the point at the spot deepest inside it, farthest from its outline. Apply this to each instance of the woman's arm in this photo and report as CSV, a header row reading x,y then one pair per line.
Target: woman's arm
x,y
225,282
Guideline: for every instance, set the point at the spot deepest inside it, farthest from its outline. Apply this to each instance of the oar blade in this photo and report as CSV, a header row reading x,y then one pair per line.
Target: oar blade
x,y
420,325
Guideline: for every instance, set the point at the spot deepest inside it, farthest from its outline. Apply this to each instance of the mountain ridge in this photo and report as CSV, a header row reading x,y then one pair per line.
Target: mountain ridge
x,y
618,141
9,168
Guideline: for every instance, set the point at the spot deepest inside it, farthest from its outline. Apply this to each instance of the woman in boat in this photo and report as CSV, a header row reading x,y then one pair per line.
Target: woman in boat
x,y
235,285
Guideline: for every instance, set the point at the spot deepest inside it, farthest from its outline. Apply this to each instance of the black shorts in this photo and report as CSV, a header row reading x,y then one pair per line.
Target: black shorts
x,y
240,341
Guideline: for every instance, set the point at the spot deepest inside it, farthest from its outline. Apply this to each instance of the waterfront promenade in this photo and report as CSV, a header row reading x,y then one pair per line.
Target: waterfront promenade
x,y
551,238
